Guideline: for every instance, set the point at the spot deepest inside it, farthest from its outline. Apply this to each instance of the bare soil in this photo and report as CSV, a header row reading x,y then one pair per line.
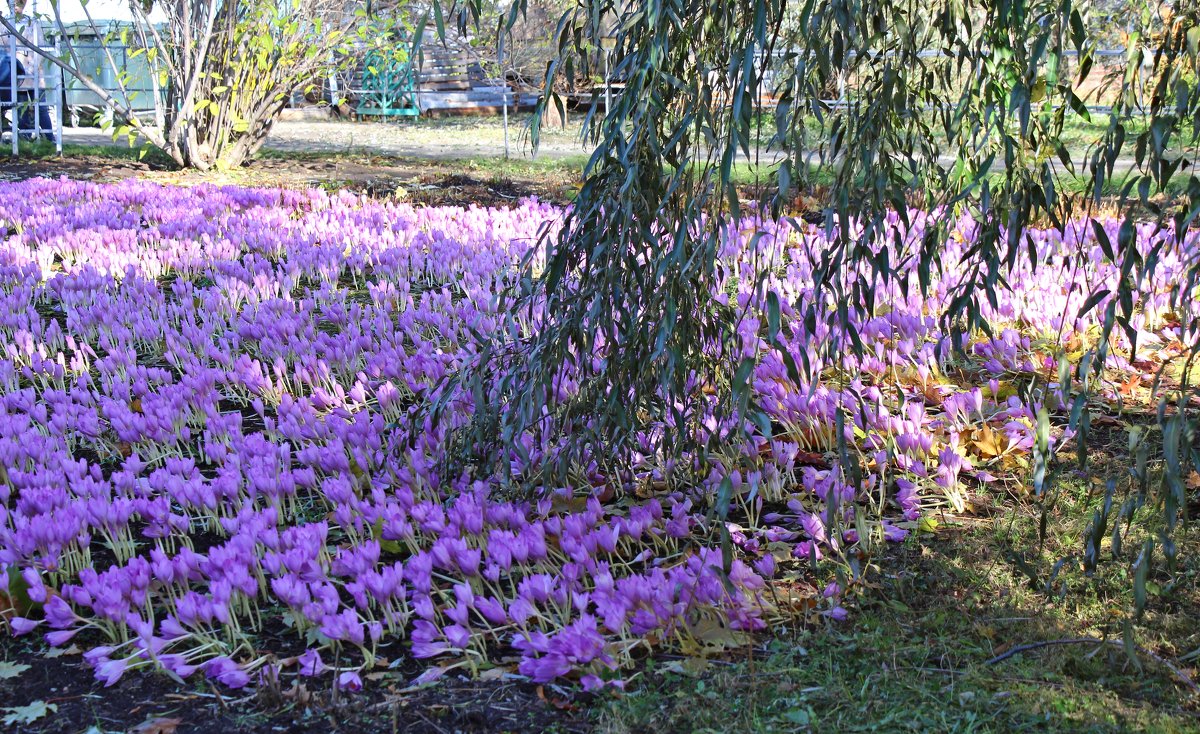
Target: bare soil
x,y
159,705
417,182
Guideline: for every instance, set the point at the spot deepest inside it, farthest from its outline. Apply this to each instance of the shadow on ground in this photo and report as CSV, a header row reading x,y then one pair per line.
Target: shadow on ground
x,y
914,654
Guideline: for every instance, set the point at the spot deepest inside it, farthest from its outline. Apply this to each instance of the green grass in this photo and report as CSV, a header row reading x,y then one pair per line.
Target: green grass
x,y
478,166
1079,135
42,150
744,173
513,167
913,656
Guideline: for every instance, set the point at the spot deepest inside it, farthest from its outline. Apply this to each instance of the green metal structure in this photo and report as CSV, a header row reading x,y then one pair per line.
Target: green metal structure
x,y
389,86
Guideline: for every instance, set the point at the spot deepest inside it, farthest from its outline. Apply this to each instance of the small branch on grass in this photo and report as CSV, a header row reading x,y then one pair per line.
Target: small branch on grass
x,y
1179,674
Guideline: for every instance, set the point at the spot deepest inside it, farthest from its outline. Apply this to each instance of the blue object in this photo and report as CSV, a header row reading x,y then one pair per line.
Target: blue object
x,y
6,78
25,100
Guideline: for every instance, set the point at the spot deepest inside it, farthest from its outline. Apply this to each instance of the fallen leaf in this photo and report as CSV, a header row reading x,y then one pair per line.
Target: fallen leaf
x,y
59,652
605,493
990,444
809,458
496,673
27,714
713,636
429,676
933,395
11,670
570,505
1005,390
558,703
1127,387
689,666
298,693
157,726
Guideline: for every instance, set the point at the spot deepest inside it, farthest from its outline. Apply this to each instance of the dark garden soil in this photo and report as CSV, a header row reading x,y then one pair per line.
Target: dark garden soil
x,y
151,703
417,182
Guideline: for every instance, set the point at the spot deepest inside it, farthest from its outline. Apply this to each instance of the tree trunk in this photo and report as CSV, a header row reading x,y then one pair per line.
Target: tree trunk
x,y
196,151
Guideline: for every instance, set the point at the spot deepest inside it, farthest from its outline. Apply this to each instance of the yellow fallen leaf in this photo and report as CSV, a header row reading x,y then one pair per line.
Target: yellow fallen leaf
x,y
989,443
711,635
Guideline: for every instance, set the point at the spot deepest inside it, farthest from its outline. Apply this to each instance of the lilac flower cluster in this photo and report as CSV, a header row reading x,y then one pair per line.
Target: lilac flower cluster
x,y
196,389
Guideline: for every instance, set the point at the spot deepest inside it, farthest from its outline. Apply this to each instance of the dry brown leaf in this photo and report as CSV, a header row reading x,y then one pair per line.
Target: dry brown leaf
x,y
933,395
990,444
1127,387
713,636
496,673
298,693
160,725
605,493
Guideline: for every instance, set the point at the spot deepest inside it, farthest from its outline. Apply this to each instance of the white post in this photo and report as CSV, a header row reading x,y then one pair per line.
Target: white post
x,y
35,73
333,83
608,44
607,83
59,106
13,112
504,81
160,115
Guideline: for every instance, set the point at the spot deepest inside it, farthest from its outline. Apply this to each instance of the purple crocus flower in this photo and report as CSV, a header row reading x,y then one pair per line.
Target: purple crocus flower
x,y
227,672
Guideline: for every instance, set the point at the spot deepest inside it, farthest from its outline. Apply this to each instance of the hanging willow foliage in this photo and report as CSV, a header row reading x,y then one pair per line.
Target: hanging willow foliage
x,y
951,105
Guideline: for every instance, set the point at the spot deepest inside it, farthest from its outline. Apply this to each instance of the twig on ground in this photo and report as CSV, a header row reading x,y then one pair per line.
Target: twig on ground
x,y
1179,674
431,723
217,694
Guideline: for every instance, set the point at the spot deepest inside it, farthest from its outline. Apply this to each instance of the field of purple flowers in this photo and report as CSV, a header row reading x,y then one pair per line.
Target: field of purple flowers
x,y
204,436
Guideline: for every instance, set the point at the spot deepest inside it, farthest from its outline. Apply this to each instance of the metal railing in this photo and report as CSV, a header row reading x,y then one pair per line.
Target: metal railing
x,y
30,90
